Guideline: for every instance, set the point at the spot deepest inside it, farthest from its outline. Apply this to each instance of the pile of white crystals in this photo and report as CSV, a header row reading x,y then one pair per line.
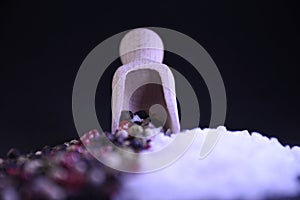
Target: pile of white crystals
x,y
240,166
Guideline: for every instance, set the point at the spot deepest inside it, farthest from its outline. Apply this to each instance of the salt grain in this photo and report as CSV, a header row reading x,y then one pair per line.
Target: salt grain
x,y
241,166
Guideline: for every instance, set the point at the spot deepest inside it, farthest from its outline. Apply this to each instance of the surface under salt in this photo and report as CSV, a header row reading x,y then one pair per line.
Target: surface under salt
x,y
240,166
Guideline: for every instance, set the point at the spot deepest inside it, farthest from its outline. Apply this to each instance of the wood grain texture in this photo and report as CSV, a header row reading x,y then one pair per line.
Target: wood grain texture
x,y
143,80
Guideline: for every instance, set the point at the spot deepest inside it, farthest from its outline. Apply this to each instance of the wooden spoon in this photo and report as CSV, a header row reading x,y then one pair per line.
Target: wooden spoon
x,y
143,82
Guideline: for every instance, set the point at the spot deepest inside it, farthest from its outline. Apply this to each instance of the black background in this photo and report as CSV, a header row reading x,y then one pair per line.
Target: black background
x,y
42,45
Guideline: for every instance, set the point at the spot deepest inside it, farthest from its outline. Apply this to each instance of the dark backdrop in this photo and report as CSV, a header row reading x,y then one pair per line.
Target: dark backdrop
x,y
42,45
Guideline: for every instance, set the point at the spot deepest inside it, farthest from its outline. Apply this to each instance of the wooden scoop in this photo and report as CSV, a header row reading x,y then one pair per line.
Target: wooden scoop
x,y
143,82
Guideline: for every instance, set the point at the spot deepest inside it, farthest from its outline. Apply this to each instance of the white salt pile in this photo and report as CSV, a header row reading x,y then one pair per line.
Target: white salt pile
x,y
241,166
